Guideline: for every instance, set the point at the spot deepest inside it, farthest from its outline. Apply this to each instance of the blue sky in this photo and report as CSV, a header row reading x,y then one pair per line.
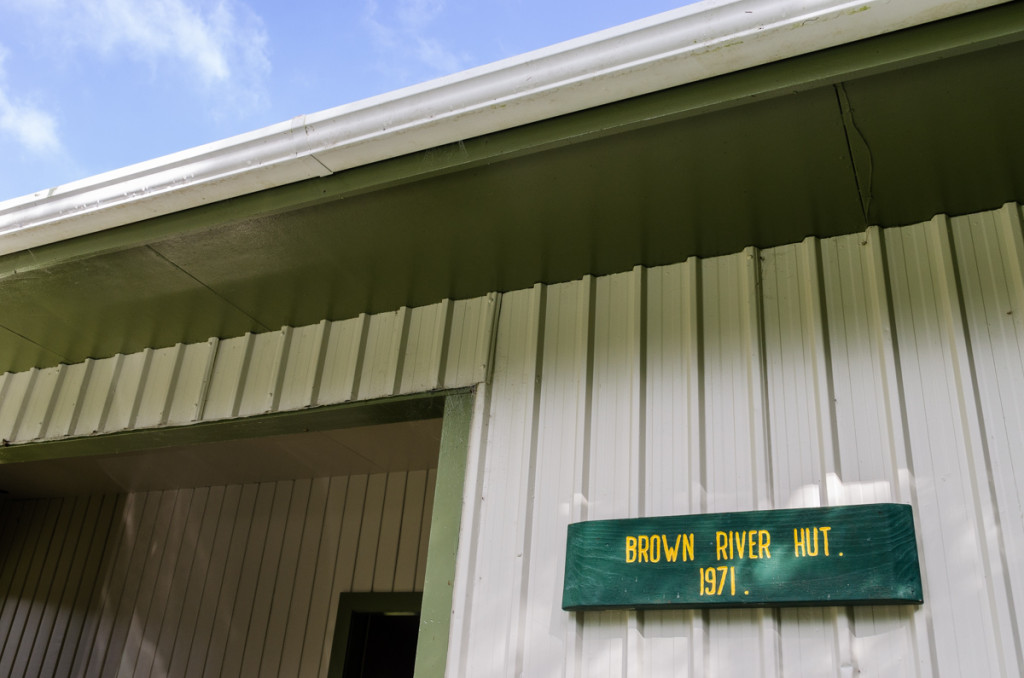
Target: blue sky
x,y
88,86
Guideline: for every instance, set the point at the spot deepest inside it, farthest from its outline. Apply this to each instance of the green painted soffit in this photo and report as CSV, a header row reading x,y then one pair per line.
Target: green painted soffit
x,y
886,131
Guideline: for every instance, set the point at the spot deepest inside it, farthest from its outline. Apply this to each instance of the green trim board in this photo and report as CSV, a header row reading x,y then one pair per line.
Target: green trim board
x,y
445,524
838,555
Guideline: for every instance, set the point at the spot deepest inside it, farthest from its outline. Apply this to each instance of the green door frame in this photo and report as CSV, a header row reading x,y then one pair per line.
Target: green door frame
x,y
445,523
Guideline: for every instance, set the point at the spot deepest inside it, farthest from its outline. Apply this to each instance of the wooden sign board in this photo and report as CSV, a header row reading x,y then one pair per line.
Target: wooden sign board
x,y
840,555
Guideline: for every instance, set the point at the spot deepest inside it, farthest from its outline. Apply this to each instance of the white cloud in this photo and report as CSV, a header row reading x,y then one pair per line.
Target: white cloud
x,y
222,43
403,31
33,128
29,125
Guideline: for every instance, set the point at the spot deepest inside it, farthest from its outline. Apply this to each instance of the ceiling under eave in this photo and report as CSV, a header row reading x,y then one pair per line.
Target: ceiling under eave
x,y
888,131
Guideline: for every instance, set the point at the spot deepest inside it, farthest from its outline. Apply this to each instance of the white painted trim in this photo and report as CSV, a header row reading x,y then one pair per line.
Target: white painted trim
x,y
695,42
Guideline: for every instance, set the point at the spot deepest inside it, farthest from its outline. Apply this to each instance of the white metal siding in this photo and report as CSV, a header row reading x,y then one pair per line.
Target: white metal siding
x,y
442,346
884,366
238,580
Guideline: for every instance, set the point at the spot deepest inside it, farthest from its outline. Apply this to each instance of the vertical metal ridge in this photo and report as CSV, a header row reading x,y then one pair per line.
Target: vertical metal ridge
x,y
90,592
23,405
172,384
410,525
442,341
315,646
1012,236
319,358
23,540
360,545
1011,232
752,301
50,583
39,634
399,525
140,386
887,342
223,565
894,392
817,329
759,415
232,657
638,396
587,313
21,585
817,336
79,403
487,337
62,632
112,587
204,384
693,329
163,543
148,549
584,369
976,438
360,356
386,563
535,337
280,367
200,547
51,405
115,378
398,359
279,593
693,323
5,384
242,376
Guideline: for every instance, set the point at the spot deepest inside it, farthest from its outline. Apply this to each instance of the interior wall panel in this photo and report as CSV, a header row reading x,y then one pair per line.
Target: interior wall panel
x,y
238,580
886,366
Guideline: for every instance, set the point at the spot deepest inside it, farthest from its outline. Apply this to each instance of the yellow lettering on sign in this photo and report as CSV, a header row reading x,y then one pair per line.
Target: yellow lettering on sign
x,y
655,548
670,552
740,540
630,549
643,545
764,540
805,541
687,547
721,546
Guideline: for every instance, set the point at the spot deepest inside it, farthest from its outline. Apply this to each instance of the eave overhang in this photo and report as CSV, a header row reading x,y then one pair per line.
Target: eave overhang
x,y
885,130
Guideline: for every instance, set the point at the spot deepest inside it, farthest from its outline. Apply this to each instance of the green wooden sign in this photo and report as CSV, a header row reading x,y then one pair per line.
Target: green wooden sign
x,y
839,555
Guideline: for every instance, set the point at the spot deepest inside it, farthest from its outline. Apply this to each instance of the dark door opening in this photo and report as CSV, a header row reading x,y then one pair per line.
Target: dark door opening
x,y
382,645
375,635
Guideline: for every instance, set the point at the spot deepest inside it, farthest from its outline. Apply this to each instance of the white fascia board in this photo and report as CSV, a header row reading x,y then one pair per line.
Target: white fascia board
x,y
699,41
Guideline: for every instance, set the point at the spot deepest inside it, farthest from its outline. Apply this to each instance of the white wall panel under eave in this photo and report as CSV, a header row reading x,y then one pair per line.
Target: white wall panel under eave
x,y
411,350
237,580
886,366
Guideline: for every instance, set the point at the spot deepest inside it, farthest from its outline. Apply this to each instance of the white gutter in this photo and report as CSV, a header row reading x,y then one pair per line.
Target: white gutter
x,y
692,43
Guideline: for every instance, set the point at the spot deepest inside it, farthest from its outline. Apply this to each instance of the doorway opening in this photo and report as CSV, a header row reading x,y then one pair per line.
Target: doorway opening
x,y
375,635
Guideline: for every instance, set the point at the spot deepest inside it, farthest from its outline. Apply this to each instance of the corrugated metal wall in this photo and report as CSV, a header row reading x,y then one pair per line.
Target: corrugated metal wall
x,y
445,345
238,580
886,366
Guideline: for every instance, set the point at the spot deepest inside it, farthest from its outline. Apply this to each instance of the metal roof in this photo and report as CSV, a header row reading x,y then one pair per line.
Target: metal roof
x,y
695,132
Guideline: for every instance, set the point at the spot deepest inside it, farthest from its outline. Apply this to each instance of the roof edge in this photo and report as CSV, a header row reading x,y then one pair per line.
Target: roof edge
x,y
693,43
